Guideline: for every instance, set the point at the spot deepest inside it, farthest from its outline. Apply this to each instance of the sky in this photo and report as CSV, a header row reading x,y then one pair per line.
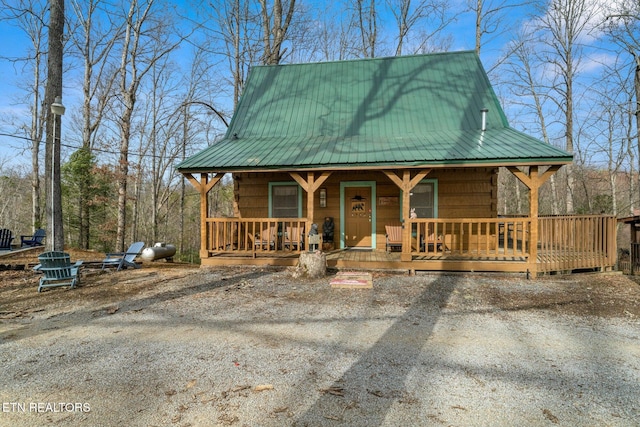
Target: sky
x,y
13,44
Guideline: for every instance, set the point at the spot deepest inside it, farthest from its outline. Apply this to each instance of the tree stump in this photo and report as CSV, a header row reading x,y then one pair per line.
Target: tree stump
x,y
312,265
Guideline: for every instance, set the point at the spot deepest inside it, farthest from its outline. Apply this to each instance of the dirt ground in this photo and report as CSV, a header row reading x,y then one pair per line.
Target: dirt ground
x,y
19,283
174,344
582,294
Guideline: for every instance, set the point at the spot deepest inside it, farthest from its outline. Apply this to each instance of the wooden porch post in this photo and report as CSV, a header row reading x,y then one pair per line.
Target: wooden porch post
x,y
534,193
533,181
310,185
406,184
311,193
203,186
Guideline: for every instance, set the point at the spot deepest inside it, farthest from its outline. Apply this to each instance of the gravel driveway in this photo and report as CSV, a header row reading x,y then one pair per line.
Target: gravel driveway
x,y
252,347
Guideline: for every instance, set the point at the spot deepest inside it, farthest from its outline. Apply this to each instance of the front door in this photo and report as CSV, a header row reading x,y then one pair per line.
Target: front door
x,y
357,215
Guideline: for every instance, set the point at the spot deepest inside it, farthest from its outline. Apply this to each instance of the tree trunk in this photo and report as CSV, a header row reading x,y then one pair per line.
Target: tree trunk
x,y
52,162
123,175
135,209
273,46
479,16
636,84
312,265
36,135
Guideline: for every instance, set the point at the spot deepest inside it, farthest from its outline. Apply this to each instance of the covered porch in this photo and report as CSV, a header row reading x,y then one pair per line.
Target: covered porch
x,y
564,244
532,244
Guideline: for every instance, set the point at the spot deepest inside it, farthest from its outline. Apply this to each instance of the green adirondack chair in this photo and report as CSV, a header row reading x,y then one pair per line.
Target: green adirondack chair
x,y
57,270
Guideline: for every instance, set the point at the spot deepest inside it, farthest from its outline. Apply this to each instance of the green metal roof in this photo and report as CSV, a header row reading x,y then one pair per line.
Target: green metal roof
x,y
422,110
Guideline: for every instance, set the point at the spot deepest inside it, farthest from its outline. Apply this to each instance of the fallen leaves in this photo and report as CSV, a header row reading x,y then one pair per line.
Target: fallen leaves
x,y
548,415
336,391
260,387
7,315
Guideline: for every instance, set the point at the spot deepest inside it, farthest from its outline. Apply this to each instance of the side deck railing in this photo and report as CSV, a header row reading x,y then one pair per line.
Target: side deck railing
x,y
576,242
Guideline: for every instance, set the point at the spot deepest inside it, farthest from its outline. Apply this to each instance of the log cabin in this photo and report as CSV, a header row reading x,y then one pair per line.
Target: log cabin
x,y
395,162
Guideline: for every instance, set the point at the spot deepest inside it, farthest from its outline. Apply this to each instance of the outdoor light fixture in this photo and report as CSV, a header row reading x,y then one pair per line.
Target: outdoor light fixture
x,y
57,109
323,197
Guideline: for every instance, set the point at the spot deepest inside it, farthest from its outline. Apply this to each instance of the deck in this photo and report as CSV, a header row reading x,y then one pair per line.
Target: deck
x,y
382,260
564,244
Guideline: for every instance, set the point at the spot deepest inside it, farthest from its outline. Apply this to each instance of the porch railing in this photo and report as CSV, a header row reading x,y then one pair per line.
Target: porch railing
x,y
576,242
255,234
564,242
487,237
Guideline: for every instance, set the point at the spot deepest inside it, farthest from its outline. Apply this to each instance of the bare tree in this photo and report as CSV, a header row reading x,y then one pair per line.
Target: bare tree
x,y
632,200
623,26
14,204
613,119
525,68
367,19
165,142
562,25
237,29
143,30
432,14
29,17
492,18
334,37
275,24
94,44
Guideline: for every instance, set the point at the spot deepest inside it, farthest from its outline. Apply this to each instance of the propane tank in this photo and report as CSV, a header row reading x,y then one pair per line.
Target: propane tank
x,y
159,251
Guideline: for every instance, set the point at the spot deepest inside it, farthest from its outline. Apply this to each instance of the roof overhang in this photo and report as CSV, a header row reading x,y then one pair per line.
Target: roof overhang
x,y
380,167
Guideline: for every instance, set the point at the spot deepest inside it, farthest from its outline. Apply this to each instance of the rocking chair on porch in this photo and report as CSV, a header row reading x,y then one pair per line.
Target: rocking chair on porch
x,y
294,238
394,237
265,239
429,241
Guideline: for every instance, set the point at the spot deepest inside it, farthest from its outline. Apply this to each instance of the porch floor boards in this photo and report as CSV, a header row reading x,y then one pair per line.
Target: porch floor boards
x,y
548,261
372,259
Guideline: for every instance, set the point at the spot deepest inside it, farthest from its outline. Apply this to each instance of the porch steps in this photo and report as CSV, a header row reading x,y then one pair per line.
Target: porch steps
x,y
352,280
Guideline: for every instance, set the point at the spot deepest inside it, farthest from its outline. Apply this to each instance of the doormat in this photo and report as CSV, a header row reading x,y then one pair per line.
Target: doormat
x,y
352,280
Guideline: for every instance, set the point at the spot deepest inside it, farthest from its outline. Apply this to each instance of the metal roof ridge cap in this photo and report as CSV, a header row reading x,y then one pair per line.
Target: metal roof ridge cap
x,y
380,58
